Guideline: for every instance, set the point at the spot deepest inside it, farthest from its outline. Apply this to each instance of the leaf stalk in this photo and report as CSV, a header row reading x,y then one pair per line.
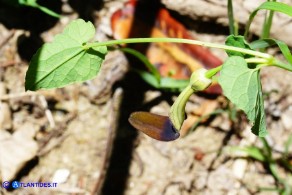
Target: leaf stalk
x,y
179,40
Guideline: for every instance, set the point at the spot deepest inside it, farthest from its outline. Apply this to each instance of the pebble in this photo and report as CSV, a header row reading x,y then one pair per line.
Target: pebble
x,y
61,176
5,116
287,119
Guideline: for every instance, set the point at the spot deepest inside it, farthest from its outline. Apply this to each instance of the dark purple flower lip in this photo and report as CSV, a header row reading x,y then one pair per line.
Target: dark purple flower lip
x,y
155,126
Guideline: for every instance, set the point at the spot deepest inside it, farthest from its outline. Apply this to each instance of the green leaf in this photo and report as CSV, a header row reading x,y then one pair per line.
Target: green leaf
x,y
251,151
288,143
237,41
270,5
65,60
145,60
28,2
166,83
241,85
170,83
262,43
153,77
148,78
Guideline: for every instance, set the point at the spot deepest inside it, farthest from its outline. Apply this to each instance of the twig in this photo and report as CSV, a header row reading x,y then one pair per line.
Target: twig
x,y
48,113
17,95
7,38
116,101
42,99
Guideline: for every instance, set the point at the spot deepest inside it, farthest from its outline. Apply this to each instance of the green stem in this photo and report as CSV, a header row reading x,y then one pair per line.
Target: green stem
x,y
42,8
257,60
177,111
210,73
198,82
231,18
282,65
267,24
49,12
177,40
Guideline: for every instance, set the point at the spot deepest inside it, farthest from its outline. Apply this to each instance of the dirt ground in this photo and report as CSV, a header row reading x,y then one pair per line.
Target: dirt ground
x,y
79,136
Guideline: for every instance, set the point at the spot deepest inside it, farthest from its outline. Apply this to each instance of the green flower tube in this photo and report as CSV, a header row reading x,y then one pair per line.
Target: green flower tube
x,y
198,82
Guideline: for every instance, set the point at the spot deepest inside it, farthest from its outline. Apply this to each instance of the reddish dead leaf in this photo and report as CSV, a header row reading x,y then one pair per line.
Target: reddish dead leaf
x,y
172,60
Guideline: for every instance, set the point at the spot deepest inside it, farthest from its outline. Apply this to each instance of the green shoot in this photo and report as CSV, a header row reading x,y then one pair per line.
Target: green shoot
x,y
34,4
72,58
264,155
273,6
232,29
267,24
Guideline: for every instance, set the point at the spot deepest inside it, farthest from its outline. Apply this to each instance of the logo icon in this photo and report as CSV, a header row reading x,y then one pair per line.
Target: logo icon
x,y
15,184
5,184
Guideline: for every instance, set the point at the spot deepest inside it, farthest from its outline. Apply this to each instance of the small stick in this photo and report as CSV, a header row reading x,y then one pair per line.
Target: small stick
x,y
17,95
7,38
48,113
42,99
116,101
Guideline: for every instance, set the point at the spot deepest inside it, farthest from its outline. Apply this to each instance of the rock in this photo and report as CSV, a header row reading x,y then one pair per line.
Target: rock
x,y
5,116
287,119
61,176
216,10
239,168
16,150
221,179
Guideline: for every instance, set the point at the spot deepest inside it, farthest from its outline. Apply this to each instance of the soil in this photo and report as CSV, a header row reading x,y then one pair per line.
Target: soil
x,y
79,136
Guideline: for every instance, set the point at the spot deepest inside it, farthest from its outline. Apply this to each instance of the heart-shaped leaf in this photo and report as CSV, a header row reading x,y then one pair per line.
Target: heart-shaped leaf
x,y
65,60
242,86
